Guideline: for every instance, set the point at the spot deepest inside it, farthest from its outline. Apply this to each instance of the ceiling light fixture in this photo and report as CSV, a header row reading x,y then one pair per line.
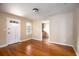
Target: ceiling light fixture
x,y
35,10
36,13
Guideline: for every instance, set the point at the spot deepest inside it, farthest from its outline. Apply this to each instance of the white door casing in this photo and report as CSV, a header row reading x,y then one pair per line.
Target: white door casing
x,y
13,31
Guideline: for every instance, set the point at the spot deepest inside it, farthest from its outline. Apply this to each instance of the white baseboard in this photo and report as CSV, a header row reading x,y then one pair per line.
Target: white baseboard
x,y
24,40
37,39
17,42
49,42
9,44
3,45
75,50
60,43
66,45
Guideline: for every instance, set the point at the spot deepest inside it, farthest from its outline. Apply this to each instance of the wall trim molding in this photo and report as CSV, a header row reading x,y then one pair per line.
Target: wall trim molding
x,y
4,45
66,45
60,43
24,40
49,42
75,50
37,39
1,46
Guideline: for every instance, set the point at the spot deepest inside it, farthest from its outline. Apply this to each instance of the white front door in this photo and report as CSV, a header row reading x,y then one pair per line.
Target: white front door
x,y
13,31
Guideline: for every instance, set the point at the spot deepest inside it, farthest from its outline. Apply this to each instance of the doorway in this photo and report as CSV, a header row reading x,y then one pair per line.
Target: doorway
x,y
13,31
45,31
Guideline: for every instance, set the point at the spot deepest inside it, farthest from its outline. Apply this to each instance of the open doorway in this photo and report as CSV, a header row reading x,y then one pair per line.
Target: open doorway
x,y
45,31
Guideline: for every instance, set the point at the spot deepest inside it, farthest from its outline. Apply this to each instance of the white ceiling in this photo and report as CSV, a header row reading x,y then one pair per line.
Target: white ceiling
x,y
45,9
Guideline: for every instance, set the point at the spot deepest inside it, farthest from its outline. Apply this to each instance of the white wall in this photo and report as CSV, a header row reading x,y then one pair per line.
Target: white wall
x,y
61,28
64,29
37,30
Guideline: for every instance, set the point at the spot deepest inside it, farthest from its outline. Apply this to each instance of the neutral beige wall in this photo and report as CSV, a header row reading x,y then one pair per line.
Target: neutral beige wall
x,y
2,30
62,29
77,14
37,30
3,19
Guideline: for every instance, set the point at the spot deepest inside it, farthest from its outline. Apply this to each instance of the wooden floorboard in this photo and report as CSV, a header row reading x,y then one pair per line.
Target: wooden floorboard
x,y
36,48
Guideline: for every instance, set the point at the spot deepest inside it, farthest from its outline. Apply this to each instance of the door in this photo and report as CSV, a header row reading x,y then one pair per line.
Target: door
x,y
13,31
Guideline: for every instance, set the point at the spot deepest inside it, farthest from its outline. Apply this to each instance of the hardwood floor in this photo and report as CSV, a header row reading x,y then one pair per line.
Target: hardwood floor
x,y
36,48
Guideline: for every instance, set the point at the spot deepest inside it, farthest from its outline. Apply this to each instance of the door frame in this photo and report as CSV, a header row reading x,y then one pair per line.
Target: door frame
x,y
47,21
7,22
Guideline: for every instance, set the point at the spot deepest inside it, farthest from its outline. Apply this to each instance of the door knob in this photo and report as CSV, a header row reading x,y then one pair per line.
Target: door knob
x,y
8,32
